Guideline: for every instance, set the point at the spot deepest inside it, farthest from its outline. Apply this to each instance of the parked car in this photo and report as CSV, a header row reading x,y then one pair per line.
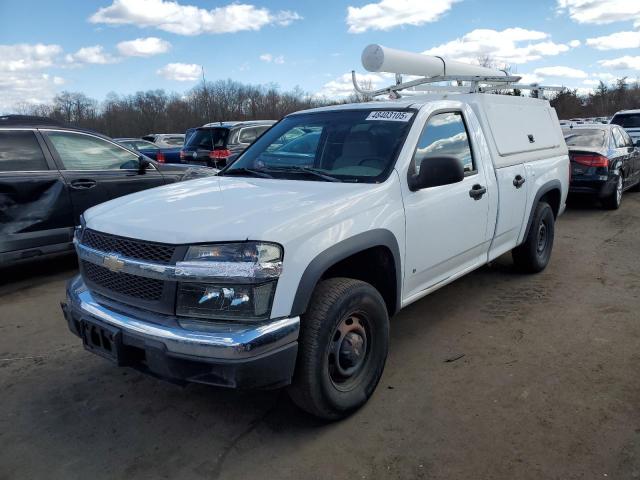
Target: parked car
x,y
166,140
285,272
604,162
218,144
151,150
630,121
50,174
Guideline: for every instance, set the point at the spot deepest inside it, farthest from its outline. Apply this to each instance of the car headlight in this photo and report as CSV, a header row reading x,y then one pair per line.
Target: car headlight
x,y
229,281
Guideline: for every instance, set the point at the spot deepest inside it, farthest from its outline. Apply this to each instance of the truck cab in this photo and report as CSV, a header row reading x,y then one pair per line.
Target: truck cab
x,y
285,269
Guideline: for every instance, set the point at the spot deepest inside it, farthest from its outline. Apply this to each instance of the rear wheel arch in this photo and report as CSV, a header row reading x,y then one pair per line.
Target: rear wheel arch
x,y
373,257
550,193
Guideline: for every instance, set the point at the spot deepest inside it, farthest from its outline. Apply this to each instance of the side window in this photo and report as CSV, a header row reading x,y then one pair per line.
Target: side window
x,y
85,152
445,134
248,135
627,138
20,152
619,139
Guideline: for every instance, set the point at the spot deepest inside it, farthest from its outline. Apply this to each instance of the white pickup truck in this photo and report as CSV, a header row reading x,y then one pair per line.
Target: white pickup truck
x,y
285,268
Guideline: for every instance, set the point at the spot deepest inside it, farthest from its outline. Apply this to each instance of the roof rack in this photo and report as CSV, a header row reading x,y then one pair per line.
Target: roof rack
x,y
474,84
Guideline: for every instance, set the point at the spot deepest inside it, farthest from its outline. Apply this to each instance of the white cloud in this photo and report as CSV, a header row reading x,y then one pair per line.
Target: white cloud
x,y
622,63
388,14
560,71
143,47
21,79
616,41
267,57
24,57
574,43
343,86
173,17
503,47
95,55
181,72
528,78
591,81
601,11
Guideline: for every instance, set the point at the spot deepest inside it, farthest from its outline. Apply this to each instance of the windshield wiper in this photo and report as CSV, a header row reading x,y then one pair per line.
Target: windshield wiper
x,y
312,171
243,170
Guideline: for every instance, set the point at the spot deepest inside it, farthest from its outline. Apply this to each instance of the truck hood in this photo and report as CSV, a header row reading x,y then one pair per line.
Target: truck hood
x,y
218,209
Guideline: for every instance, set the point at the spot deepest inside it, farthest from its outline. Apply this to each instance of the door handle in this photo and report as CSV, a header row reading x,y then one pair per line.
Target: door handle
x,y
518,181
83,184
477,191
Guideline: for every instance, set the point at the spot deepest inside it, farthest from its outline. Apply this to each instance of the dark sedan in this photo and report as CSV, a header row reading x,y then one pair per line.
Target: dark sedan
x,y
50,174
604,162
151,150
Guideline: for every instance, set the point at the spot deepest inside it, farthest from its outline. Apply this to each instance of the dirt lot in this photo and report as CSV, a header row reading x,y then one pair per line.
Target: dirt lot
x,y
548,386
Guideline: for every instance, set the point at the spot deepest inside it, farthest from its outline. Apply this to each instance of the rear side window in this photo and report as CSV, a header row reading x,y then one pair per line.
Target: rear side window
x,y
627,120
445,134
20,152
85,152
619,139
209,138
248,135
177,141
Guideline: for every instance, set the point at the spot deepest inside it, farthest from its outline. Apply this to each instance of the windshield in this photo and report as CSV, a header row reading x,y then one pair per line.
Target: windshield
x,y
627,120
584,137
208,138
347,145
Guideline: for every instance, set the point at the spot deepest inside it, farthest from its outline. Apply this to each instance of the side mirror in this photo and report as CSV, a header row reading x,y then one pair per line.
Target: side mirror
x,y
143,164
437,171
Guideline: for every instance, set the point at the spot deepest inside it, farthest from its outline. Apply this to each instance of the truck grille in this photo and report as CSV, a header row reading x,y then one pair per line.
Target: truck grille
x,y
123,283
137,249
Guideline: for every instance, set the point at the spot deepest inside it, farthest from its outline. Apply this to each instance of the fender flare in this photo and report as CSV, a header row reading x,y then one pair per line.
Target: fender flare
x,y
341,250
544,189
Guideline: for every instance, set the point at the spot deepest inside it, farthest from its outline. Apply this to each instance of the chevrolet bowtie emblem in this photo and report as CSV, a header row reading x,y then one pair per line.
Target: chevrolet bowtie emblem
x,y
113,263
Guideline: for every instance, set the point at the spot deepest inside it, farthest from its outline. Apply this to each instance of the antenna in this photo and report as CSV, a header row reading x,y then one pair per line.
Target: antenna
x,y
431,70
204,89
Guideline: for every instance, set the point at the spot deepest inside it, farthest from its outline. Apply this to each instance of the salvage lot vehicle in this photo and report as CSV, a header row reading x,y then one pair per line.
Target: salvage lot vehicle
x,y
166,140
280,272
151,150
630,121
218,144
604,162
50,174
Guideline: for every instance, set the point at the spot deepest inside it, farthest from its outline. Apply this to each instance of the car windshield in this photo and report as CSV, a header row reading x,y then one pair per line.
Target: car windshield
x,y
584,137
627,120
208,138
347,145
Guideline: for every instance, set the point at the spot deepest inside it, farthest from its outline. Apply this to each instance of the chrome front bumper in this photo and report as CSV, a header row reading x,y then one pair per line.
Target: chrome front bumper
x,y
225,344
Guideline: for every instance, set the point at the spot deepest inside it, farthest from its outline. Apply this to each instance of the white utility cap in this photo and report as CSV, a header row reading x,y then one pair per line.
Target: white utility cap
x,y
376,58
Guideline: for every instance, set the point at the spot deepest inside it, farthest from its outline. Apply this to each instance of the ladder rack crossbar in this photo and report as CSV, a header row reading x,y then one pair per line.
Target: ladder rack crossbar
x,y
477,84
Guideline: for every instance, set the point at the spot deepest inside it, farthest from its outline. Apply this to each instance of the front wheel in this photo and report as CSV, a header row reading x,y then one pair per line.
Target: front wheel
x,y
535,252
342,348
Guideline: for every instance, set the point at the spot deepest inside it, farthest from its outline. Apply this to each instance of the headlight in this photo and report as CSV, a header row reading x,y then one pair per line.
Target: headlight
x,y
225,302
229,280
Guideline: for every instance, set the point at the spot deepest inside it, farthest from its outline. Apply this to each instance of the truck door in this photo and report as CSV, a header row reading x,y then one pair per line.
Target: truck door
x,y
446,225
35,211
97,170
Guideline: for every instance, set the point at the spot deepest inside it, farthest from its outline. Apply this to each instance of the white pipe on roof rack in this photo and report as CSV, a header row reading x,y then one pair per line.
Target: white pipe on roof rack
x,y
376,58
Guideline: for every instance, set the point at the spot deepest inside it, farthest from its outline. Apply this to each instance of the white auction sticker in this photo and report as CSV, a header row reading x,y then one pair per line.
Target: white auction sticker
x,y
390,116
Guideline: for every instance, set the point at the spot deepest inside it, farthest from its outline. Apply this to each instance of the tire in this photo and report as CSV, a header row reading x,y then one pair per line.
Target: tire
x,y
612,202
533,255
345,316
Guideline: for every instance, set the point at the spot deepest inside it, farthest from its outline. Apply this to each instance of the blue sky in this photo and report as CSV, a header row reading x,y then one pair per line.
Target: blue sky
x,y
128,45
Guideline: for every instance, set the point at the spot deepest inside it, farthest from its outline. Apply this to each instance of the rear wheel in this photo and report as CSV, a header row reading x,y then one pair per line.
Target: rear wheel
x,y
535,252
612,202
342,349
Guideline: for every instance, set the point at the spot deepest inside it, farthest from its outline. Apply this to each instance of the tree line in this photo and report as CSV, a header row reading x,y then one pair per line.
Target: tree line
x,y
156,111
603,102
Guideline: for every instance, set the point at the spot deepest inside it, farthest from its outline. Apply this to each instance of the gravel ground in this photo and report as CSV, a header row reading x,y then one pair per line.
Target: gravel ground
x,y
547,386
